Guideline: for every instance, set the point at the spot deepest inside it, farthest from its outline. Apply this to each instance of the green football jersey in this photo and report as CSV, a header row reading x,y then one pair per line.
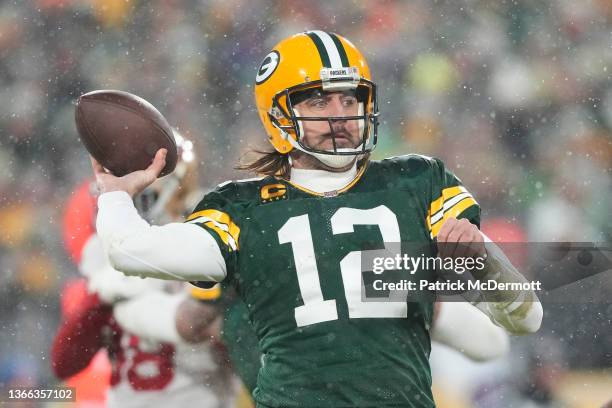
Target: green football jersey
x,y
241,342
293,256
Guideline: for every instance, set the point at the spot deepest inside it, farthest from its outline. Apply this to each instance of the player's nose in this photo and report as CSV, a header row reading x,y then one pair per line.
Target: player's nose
x,y
336,107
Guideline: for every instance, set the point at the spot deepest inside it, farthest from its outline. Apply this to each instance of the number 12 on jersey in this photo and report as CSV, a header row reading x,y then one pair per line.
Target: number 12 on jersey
x,y
297,232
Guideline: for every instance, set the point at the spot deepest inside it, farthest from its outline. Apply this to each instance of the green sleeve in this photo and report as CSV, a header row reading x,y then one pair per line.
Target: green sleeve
x,y
449,199
220,216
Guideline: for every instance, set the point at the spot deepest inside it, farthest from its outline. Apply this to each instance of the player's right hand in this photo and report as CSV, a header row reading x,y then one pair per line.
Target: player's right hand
x,y
132,183
460,238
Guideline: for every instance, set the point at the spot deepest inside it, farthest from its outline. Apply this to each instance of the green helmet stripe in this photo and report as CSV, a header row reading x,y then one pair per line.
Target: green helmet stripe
x,y
321,48
341,50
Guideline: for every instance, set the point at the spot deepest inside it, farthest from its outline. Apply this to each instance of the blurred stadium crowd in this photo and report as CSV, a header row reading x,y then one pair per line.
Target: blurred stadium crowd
x,y
515,96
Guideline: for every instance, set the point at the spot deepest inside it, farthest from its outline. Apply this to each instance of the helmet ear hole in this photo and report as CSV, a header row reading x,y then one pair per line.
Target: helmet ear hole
x,y
362,94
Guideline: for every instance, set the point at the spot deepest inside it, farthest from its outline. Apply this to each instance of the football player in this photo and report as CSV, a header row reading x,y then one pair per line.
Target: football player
x,y
151,364
291,241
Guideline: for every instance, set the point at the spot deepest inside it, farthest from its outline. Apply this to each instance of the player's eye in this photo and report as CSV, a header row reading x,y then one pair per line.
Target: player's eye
x,y
318,103
349,100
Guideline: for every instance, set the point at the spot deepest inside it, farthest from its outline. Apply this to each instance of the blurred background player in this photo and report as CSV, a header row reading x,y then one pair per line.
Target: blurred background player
x,y
156,367
89,375
205,313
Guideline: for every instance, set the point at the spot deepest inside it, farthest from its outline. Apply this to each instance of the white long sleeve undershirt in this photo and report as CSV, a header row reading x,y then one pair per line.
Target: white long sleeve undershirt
x,y
173,251
464,328
521,316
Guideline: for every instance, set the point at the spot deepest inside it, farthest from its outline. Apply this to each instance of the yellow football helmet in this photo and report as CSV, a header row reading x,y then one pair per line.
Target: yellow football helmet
x,y
310,60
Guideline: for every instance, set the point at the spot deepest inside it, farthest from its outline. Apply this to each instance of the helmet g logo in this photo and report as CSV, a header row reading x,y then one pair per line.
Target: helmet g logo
x,y
267,67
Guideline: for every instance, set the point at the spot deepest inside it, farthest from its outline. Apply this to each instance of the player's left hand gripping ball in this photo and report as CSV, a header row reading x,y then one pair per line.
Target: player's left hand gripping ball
x,y
460,238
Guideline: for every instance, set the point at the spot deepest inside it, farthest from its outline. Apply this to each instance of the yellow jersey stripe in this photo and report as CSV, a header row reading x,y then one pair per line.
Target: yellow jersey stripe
x,y
452,212
206,294
436,208
219,222
447,193
447,205
223,234
221,229
216,215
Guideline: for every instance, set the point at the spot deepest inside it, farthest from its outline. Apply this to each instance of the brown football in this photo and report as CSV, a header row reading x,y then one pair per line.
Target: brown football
x,y
123,131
